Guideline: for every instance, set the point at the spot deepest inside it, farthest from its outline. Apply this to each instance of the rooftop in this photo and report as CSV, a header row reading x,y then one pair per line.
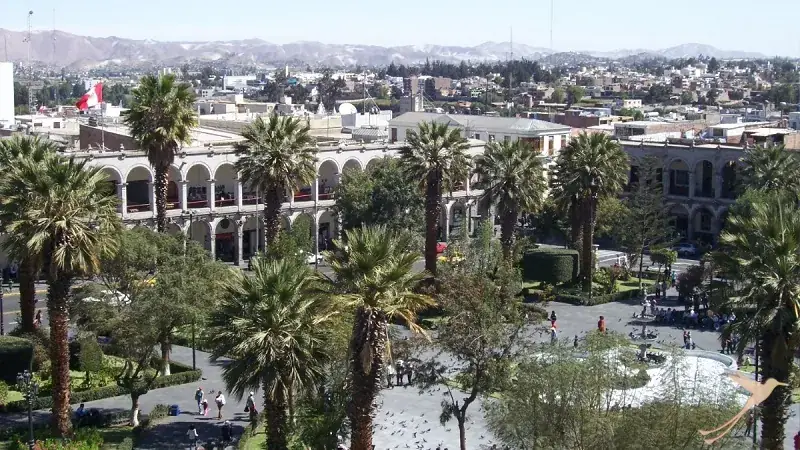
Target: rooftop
x,y
729,126
200,135
478,122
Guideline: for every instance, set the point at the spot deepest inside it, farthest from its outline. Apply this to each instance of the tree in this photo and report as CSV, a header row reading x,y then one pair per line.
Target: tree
x,y
91,357
481,330
161,117
632,112
330,89
512,177
379,195
590,167
375,273
687,98
12,152
436,160
278,156
760,251
711,97
273,327
610,214
558,95
646,221
575,94
70,221
713,65
771,168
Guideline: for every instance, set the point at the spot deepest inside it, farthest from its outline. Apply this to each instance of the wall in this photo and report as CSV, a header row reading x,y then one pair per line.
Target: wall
x,y
6,93
95,136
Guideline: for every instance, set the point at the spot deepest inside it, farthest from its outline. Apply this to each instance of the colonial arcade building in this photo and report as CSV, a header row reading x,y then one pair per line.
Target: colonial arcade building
x,y
210,204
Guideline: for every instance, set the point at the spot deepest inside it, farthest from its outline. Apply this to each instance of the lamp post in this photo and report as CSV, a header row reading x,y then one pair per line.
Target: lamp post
x,y
30,389
190,213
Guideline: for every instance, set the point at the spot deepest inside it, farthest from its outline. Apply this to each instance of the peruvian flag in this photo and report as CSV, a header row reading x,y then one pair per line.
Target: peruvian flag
x,y
92,98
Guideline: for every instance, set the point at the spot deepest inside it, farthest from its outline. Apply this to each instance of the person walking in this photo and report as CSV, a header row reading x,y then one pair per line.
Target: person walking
x,y
575,342
390,374
220,400
399,373
198,397
37,322
409,371
601,324
204,405
192,435
250,408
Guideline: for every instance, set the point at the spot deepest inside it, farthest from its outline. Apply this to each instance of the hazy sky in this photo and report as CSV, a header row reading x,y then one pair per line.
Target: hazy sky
x,y
767,26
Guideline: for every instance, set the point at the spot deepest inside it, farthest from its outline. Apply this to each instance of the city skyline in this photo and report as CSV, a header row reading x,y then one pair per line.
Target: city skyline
x,y
583,26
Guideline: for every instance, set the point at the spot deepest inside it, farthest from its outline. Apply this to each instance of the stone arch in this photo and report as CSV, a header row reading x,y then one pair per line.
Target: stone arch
x,y
225,230
174,188
328,229
113,179
371,164
200,231
174,229
225,185
704,179
678,177
197,177
703,223
328,175
352,164
679,217
729,175
252,236
139,189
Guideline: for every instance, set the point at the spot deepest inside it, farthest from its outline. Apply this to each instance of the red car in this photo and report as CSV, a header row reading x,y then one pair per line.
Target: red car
x,y
441,247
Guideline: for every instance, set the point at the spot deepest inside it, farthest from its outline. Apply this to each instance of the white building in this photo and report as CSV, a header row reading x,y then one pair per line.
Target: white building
x,y
207,201
545,137
236,81
794,120
6,94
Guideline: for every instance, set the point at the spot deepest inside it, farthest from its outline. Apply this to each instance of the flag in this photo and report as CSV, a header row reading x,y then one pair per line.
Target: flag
x,y
92,98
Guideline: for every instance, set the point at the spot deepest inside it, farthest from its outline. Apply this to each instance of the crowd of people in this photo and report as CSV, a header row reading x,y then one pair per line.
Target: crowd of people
x,y
395,373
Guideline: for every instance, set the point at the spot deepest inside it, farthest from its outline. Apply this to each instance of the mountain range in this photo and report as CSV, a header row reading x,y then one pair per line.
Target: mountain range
x,y
74,51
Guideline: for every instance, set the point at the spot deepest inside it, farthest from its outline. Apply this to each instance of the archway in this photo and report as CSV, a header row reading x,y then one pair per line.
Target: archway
x,y
458,219
113,180
351,164
703,225
729,180
633,175
251,241
198,232
225,183
679,217
139,190
327,230
197,183
372,163
302,230
174,229
679,178
328,179
704,179
173,188
225,242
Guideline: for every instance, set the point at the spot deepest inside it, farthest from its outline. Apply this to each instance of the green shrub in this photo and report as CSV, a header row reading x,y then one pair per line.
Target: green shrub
x,y
41,345
16,354
3,393
553,266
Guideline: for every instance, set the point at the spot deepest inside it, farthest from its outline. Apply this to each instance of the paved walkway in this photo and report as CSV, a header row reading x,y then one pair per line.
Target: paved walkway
x,y
170,434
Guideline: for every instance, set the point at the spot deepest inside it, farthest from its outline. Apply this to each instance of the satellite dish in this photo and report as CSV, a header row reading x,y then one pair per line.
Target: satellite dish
x,y
347,108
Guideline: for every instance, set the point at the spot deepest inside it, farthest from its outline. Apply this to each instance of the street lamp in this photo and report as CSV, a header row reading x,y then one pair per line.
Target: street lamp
x,y
30,389
190,213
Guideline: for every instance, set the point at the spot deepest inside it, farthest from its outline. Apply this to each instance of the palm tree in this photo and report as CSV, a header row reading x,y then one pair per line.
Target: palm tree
x,y
512,176
161,118
591,166
69,219
12,151
279,155
436,159
772,168
375,273
760,251
274,327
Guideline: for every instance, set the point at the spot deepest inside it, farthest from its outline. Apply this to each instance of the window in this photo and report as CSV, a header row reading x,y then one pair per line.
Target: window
x,y
506,138
394,134
682,178
491,138
477,136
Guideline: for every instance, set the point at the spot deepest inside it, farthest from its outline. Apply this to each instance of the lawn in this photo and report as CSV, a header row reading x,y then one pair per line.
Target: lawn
x,y
113,438
257,442
77,379
622,286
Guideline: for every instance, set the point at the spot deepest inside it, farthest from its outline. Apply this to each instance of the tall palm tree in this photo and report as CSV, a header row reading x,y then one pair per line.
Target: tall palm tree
x,y
375,273
161,118
69,217
760,251
435,158
512,176
591,166
279,155
273,325
772,168
12,151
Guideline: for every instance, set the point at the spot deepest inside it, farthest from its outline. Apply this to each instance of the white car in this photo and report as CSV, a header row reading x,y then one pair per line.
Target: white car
x,y
686,249
313,259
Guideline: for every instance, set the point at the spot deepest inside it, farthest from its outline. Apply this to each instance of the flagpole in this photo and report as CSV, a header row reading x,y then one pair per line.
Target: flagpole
x,y
102,128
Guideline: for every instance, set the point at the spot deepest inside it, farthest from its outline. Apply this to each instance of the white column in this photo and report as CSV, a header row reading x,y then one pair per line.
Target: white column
x,y
291,198
316,189
467,184
469,218
316,234
545,145
184,195
151,194
446,223
211,194
239,235
122,194
212,243
239,194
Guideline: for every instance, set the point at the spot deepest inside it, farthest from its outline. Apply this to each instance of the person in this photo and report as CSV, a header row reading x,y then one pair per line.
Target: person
x,y
192,435
409,371
748,428
575,342
227,432
198,397
204,404
553,335
658,290
553,319
38,321
81,411
220,400
399,373
390,373
601,324
797,441
250,407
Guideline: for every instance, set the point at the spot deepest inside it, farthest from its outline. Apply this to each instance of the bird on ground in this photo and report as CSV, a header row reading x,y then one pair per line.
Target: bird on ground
x,y
758,393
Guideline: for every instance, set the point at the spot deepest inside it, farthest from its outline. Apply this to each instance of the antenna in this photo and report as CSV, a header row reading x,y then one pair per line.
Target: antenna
x,y
31,105
510,70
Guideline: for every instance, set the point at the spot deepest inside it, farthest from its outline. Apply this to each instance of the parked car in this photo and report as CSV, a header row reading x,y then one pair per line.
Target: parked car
x,y
686,249
313,259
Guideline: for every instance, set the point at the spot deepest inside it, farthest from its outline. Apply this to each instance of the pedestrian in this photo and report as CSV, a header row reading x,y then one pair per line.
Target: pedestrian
x,y
220,400
664,289
204,404
553,335
250,407
553,319
192,434
601,324
198,397
390,373
658,290
748,427
38,321
227,433
685,338
409,371
575,342
399,373
797,441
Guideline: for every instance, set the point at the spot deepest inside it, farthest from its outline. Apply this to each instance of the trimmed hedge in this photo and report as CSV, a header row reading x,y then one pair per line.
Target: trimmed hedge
x,y
550,265
581,300
182,374
16,355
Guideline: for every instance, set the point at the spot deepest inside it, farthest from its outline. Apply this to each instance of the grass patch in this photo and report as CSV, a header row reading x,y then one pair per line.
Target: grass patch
x,y
633,284
257,442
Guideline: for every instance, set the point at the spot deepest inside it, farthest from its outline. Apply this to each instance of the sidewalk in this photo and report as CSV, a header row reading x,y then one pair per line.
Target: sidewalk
x,y
172,432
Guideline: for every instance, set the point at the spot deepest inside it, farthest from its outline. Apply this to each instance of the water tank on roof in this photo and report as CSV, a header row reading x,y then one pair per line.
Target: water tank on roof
x,y
347,108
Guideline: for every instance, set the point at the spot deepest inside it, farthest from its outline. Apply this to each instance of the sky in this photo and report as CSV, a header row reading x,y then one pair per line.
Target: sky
x,y
767,26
